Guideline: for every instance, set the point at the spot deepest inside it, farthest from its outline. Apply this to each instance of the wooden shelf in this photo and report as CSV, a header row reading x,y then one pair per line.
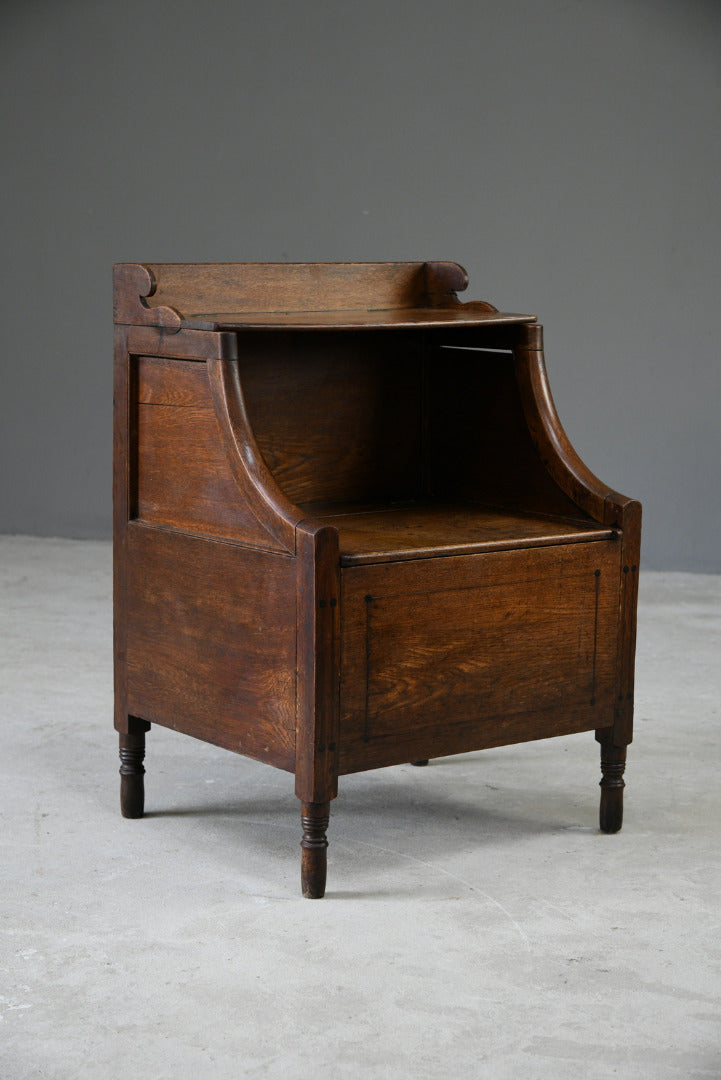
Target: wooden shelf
x,y
394,532
362,319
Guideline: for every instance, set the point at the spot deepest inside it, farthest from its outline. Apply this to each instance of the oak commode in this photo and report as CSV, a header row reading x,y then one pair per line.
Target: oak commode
x,y
350,531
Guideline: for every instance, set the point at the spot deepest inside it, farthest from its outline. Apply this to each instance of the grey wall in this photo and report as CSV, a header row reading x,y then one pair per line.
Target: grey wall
x,y
567,152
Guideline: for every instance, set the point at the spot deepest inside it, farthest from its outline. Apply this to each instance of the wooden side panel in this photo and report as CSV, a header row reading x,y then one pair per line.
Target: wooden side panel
x,y
336,416
182,475
445,656
211,642
172,382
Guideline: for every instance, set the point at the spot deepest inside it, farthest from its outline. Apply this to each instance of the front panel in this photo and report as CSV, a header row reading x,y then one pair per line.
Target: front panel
x,y
453,654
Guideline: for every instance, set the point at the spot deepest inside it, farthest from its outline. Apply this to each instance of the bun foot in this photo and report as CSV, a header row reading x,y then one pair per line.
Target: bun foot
x,y
420,763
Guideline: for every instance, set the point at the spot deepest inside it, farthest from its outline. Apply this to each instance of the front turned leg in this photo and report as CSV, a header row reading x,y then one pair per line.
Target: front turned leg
x,y
613,762
132,785
314,818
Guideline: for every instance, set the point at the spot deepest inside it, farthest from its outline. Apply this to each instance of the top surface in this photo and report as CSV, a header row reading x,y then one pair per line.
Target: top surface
x,y
352,319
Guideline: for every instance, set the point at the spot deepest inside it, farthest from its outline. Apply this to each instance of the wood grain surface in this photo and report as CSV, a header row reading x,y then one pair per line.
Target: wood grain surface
x,y
400,319
211,642
360,540
428,529
333,418
467,651
301,287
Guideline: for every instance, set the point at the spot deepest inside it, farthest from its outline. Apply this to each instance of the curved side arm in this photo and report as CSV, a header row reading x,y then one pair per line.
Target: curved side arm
x,y
275,513
558,455
601,502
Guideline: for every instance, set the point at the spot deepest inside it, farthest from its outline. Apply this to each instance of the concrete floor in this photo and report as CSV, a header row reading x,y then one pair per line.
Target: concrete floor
x,y
476,924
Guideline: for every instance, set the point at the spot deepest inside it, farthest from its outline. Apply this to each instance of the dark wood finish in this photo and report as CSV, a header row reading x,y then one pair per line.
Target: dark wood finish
x,y
310,296
172,382
132,773
397,318
184,480
425,529
351,532
528,641
279,288
613,763
130,343
314,845
274,512
124,436
336,416
484,448
212,641
318,664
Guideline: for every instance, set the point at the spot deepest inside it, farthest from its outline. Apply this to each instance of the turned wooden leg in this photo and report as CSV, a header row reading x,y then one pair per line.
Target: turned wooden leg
x,y
420,763
314,818
132,785
613,762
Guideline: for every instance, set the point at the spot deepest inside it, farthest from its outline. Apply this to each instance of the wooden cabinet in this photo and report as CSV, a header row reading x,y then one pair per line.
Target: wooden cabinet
x,y
350,531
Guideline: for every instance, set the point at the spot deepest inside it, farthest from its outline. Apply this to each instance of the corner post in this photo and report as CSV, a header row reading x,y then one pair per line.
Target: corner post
x,y
124,423
615,740
318,679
